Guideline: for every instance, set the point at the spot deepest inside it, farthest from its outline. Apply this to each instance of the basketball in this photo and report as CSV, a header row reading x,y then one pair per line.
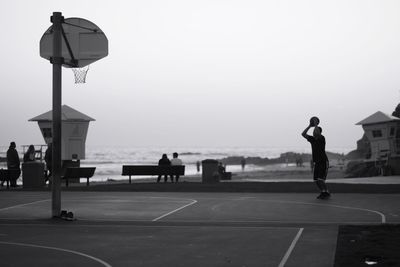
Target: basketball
x,y
314,121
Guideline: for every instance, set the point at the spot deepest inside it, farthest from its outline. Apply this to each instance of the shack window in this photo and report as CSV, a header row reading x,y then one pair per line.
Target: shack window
x,y
392,131
377,133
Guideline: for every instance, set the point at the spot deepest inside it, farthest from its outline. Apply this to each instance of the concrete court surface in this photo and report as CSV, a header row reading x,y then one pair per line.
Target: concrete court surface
x,y
182,229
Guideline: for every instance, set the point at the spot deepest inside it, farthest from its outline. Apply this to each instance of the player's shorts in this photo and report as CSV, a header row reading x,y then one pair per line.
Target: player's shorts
x,y
321,170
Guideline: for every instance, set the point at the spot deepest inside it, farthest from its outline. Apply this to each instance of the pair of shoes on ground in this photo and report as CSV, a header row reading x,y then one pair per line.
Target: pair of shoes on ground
x,y
68,216
324,195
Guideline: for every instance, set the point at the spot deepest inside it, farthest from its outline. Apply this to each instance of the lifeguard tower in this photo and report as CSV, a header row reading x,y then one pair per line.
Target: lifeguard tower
x,y
383,133
74,128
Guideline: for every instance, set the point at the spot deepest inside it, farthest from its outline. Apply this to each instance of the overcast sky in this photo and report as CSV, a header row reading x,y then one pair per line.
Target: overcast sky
x,y
209,73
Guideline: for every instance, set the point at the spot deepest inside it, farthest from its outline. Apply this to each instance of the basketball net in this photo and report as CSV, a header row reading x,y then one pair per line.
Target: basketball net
x,y
80,74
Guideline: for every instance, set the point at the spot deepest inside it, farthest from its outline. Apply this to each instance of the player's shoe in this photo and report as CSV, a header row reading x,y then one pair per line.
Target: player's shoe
x,y
70,216
326,195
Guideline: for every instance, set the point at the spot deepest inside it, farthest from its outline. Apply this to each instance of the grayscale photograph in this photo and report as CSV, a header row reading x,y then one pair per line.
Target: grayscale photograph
x,y
184,133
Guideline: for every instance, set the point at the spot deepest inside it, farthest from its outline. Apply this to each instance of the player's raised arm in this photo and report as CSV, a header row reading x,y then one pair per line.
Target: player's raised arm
x,y
304,133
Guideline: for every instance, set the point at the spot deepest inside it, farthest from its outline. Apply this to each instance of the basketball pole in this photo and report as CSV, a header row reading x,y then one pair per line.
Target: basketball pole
x,y
57,62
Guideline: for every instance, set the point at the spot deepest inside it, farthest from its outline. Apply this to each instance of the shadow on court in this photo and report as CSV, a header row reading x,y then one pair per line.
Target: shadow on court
x,y
182,229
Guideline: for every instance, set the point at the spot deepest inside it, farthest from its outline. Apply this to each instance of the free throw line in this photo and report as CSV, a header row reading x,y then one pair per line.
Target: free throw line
x,y
175,210
383,217
290,249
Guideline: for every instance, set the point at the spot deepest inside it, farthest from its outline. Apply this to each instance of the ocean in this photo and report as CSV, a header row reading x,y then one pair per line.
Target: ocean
x,y
108,160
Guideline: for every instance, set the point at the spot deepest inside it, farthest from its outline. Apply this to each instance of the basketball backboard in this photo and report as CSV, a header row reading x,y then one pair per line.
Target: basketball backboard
x,y
82,44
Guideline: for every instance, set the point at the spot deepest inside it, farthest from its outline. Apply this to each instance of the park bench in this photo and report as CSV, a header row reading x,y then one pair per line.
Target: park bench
x,y
6,175
132,170
77,173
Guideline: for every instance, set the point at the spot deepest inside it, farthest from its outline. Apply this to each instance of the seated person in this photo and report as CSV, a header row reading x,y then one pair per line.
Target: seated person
x,y
175,162
223,174
30,154
164,161
221,169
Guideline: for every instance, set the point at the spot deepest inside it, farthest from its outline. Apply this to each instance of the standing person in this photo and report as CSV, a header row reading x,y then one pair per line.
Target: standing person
x,y
319,159
198,166
48,158
164,161
30,154
13,163
243,163
175,162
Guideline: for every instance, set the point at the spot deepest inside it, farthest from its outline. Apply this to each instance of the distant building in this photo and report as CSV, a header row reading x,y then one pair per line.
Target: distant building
x,y
383,133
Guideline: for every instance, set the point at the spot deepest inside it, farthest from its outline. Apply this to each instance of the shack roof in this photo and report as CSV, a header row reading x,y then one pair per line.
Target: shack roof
x,y
378,117
67,114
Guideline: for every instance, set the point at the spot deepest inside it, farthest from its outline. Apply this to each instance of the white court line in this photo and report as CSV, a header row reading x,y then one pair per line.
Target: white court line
x,y
383,217
59,249
190,222
290,249
26,204
135,199
147,226
175,210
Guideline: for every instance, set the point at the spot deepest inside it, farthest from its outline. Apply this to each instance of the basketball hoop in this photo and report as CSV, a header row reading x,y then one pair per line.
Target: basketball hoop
x,y
80,74
82,43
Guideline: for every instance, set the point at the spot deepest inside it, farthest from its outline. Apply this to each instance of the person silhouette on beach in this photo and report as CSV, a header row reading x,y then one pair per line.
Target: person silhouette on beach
x,y
243,163
30,154
48,158
319,159
164,161
13,163
221,169
198,166
175,161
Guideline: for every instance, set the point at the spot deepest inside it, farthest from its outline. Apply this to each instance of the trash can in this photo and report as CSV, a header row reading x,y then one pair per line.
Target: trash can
x,y
210,171
32,174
